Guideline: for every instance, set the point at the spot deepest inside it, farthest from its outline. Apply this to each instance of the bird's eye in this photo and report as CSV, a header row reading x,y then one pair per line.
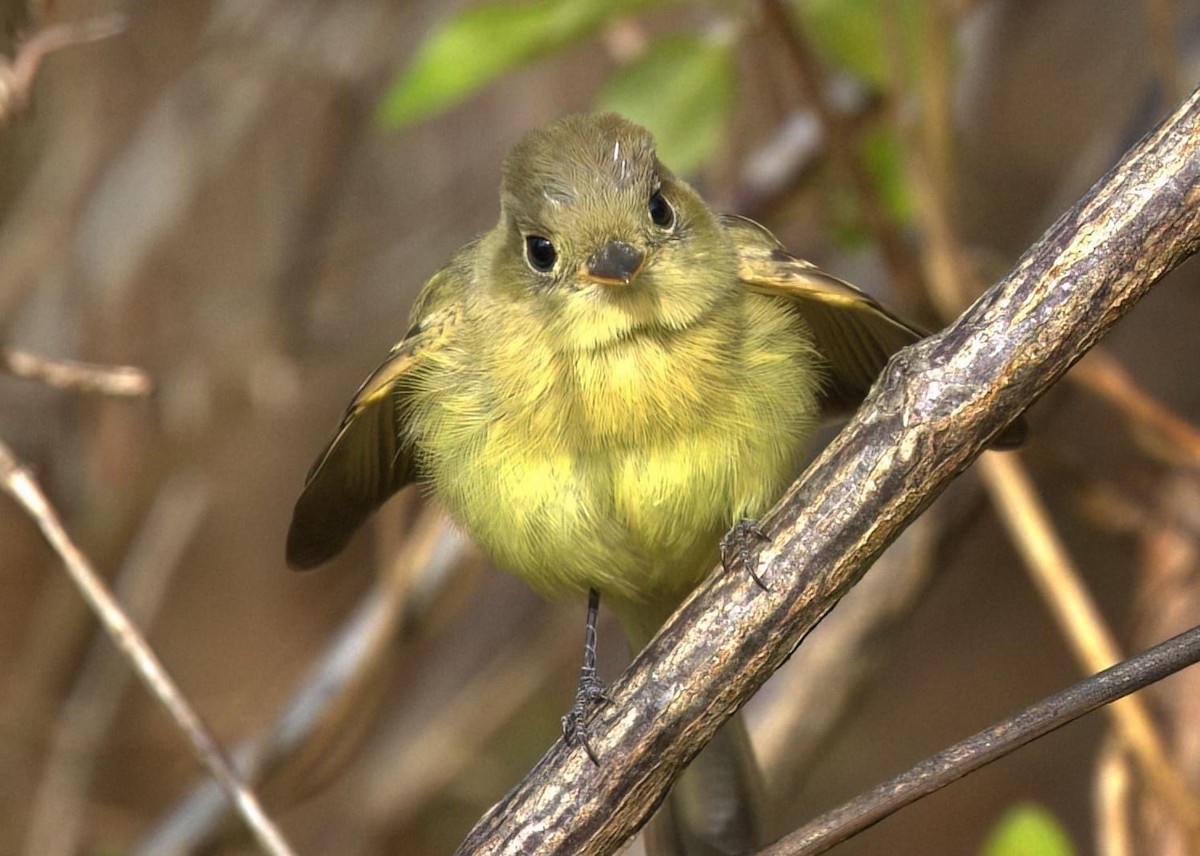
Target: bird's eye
x,y
540,253
661,211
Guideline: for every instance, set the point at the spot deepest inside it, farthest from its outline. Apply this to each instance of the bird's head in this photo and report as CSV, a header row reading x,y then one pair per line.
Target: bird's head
x,y
594,228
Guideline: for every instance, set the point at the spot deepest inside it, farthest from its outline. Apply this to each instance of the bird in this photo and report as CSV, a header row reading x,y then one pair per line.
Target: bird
x,y
603,385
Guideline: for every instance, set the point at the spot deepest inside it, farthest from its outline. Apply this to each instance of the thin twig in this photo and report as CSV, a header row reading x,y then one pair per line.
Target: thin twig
x,y
77,376
1172,436
1111,796
932,188
951,764
319,714
446,745
797,149
18,482
935,75
1167,597
89,708
952,283
1063,589
16,78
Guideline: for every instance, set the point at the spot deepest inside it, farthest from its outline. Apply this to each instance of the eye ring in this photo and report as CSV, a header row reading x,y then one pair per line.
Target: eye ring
x,y
661,212
540,254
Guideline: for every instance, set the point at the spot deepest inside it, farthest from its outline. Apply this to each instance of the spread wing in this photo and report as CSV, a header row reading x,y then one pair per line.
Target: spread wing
x,y
369,457
854,334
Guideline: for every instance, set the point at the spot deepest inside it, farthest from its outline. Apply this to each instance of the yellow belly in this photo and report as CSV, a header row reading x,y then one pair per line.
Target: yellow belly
x,y
623,472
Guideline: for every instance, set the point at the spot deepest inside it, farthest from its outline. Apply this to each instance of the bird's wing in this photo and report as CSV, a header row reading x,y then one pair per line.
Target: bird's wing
x,y
854,334
370,457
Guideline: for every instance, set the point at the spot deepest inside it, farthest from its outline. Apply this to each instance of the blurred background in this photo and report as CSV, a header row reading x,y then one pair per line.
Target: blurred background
x,y
242,199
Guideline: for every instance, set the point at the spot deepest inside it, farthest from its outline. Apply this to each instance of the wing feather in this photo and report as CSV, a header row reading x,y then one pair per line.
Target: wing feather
x,y
852,332
369,457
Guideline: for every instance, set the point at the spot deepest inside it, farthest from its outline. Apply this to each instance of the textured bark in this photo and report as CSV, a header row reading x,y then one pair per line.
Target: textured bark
x,y
932,413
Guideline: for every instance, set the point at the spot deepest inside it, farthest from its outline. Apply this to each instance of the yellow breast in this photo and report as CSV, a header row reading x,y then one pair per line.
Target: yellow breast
x,y
619,468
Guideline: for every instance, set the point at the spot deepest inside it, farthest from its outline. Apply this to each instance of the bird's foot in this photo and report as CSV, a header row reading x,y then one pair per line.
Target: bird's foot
x,y
589,698
739,539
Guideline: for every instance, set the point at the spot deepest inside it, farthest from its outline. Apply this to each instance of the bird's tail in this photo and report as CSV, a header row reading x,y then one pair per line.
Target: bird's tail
x,y
715,808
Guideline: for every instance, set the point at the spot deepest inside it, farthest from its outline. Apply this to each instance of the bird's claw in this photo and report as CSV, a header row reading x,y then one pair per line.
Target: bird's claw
x,y
739,538
589,698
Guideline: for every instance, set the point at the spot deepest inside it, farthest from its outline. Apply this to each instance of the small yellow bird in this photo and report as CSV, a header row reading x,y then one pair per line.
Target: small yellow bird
x,y
605,383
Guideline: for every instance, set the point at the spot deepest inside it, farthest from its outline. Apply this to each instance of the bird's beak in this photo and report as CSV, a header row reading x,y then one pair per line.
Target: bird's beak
x,y
616,263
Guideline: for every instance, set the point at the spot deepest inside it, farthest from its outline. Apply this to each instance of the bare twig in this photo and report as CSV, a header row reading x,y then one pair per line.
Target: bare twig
x,y
73,375
1170,435
1168,598
935,75
981,749
931,185
1111,796
796,150
89,709
1092,642
332,693
930,415
952,282
18,482
451,742
16,78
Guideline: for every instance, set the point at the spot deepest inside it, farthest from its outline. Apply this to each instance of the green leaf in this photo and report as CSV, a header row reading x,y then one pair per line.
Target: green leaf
x,y
851,33
683,89
881,153
1028,830
485,41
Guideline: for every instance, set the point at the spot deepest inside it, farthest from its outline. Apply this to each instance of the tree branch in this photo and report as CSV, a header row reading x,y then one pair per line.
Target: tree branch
x,y
951,764
932,413
16,77
72,374
18,482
